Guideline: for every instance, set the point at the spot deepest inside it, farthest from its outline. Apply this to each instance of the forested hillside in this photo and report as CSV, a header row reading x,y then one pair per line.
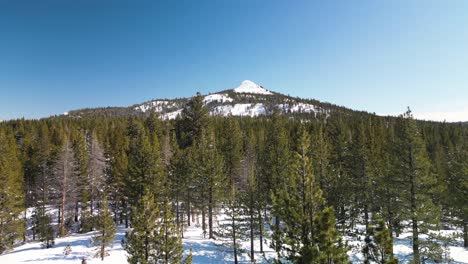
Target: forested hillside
x,y
309,179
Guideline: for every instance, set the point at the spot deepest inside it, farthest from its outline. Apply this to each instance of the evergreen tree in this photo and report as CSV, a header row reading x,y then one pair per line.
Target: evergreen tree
x,y
413,168
106,229
117,172
193,120
250,194
155,237
235,227
11,192
276,165
379,244
458,186
144,164
170,248
297,203
330,248
208,177
43,228
141,241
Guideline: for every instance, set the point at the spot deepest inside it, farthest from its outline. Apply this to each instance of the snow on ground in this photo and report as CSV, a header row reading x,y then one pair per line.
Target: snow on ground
x,y
156,106
204,250
239,110
251,87
402,247
298,108
81,245
216,251
222,98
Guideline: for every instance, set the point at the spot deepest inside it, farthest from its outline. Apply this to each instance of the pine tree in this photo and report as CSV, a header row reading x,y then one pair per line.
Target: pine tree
x,y
297,203
144,164
379,244
235,227
11,192
208,177
117,172
86,219
458,186
170,248
250,193
141,241
155,237
193,120
106,229
43,227
82,161
413,168
276,165
330,248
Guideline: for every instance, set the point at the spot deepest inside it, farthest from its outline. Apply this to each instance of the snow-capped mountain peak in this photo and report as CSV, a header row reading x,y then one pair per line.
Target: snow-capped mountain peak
x,y
251,87
248,99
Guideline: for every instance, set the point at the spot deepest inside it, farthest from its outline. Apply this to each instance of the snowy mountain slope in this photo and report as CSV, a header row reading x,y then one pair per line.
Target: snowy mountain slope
x,y
248,99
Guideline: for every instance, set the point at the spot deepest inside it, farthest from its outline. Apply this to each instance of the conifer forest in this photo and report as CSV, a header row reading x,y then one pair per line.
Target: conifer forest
x,y
308,185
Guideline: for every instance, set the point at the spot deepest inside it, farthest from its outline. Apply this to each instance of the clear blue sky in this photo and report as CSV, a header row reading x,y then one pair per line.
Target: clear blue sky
x,y
379,56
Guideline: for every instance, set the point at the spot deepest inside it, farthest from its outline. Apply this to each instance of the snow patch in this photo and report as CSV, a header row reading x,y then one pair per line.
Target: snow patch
x,y
297,108
157,106
222,98
239,110
252,88
171,115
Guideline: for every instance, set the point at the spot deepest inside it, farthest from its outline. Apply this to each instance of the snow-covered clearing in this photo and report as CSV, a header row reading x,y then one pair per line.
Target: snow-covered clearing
x,y
204,250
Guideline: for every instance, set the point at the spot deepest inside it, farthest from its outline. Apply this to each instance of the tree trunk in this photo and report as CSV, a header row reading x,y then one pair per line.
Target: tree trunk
x,y
414,218
146,247
177,210
62,217
366,221
465,233
188,208
251,209
234,237
102,246
76,211
203,221
210,214
260,228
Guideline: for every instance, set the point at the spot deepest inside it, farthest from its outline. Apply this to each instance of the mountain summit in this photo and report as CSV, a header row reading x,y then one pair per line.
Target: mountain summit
x,y
248,99
251,87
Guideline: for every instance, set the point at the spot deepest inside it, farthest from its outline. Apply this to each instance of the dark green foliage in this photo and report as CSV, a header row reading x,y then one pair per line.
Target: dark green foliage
x,y
379,244
404,170
297,203
170,245
43,227
106,229
330,248
142,240
11,193
235,227
416,184
155,237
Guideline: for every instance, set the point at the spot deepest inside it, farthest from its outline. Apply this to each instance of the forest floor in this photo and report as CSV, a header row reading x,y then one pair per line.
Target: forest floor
x,y
203,250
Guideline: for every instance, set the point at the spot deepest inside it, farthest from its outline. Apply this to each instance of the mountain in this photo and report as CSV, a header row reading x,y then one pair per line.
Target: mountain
x,y
248,99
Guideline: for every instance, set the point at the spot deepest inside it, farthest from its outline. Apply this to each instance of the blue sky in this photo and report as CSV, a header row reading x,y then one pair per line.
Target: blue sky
x,y
378,56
